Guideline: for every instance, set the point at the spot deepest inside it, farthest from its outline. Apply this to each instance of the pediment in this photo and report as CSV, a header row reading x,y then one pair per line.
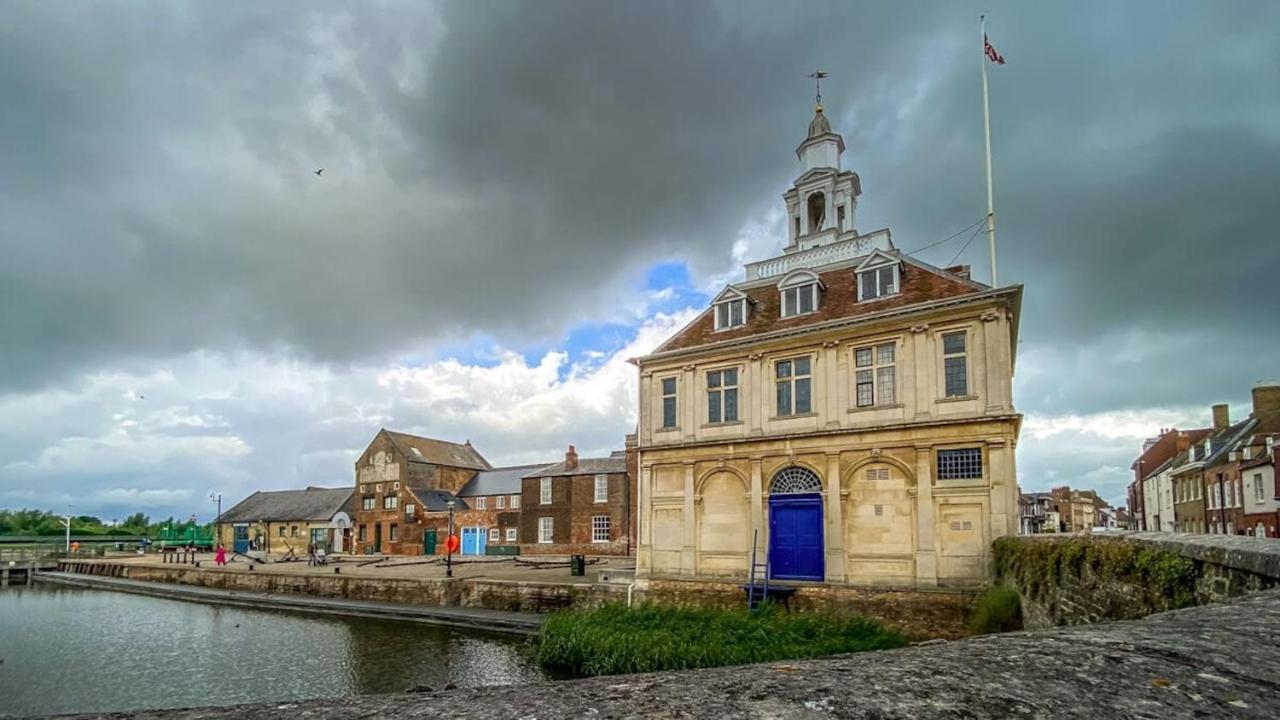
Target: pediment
x,y
876,259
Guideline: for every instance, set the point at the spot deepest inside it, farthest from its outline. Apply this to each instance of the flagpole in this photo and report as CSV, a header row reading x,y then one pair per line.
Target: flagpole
x,y
986,129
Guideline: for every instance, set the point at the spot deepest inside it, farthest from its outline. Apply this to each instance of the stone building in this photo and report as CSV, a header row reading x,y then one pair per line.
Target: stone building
x,y
846,405
283,520
579,506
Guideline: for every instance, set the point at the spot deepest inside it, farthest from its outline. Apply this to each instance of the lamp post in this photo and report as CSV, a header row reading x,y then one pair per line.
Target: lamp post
x,y
217,523
66,523
448,543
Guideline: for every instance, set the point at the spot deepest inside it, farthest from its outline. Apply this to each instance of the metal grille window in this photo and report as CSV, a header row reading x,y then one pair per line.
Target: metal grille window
x,y
795,480
668,402
875,378
955,364
793,384
390,502
600,528
799,300
877,474
602,488
544,530
961,464
722,396
545,497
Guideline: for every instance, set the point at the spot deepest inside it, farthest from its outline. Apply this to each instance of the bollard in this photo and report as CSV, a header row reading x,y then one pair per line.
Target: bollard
x,y
337,571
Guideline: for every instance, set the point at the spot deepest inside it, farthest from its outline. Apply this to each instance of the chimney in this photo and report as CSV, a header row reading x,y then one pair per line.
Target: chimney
x,y
571,459
1183,442
1221,418
1266,398
961,270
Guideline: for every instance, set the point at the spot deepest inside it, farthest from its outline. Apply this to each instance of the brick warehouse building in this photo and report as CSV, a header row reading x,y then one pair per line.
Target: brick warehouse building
x,y
581,506
404,484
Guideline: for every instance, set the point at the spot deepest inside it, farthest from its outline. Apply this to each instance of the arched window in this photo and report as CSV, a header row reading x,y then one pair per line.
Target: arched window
x,y
794,480
817,211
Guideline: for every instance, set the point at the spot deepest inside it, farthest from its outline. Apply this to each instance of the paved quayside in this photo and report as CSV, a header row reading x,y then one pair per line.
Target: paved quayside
x,y
459,617
1214,661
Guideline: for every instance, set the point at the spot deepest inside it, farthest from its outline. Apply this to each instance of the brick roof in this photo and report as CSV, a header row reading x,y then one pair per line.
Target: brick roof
x,y
920,283
437,452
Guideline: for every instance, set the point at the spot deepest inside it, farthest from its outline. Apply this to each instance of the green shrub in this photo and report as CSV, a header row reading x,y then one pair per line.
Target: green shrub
x,y
614,639
997,609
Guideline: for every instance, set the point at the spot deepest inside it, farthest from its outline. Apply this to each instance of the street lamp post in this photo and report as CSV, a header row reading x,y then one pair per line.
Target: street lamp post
x,y
217,523
66,523
448,544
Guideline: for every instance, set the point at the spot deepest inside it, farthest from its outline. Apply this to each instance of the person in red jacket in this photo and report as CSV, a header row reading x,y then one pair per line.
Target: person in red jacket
x,y
220,556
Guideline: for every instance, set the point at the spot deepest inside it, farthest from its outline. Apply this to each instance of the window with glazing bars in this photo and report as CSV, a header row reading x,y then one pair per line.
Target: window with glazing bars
x,y
955,364
874,376
600,528
722,396
793,385
668,402
960,464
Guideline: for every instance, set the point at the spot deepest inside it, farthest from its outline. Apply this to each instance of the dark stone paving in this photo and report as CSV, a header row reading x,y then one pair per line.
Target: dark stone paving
x,y
460,617
1215,661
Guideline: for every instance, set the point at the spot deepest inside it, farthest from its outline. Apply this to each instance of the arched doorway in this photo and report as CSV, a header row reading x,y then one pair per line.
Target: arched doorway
x,y
795,525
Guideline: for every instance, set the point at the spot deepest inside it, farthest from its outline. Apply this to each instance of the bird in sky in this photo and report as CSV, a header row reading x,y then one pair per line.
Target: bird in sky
x,y
319,171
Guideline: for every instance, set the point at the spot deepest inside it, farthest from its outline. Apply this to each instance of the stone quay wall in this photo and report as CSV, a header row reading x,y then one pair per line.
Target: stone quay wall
x,y
920,614
1077,579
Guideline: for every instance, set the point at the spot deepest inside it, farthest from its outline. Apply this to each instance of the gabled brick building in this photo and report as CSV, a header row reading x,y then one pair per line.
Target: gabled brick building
x,y
579,506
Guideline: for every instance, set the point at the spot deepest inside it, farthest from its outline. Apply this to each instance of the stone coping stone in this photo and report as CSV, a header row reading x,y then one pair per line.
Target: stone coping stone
x,y
1213,661
1260,556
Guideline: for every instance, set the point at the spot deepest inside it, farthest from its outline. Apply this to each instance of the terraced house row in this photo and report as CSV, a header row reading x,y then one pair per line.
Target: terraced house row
x,y
1219,480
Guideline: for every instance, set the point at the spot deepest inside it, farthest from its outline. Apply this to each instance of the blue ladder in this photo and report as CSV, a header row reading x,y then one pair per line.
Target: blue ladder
x,y
757,591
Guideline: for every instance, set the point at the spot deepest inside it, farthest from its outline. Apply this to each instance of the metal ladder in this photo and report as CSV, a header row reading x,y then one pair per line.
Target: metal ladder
x,y
758,587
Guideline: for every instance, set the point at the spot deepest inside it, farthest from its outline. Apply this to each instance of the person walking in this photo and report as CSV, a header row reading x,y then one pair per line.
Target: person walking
x,y
220,556
311,553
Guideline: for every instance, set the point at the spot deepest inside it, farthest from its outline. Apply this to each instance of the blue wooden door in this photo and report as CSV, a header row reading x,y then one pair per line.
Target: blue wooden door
x,y
468,541
240,543
482,540
795,537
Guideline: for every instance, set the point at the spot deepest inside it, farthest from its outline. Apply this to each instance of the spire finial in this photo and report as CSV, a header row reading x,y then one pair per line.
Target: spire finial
x,y
817,76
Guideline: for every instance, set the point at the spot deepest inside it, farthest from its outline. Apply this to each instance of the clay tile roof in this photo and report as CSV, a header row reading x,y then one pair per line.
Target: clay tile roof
x,y
437,452
920,283
586,466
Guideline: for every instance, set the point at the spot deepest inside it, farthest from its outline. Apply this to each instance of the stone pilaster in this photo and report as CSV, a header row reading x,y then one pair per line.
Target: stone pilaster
x,y
922,358
690,524
834,540
757,504
926,541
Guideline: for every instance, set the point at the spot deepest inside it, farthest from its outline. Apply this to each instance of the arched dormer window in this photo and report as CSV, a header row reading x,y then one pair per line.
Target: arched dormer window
x,y
800,291
730,309
879,276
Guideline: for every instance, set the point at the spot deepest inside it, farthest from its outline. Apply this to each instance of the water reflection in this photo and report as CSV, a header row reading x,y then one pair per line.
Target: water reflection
x,y
72,650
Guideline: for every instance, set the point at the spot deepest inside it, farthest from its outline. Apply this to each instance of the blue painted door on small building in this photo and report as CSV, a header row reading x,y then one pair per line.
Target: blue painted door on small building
x,y
473,540
240,541
795,537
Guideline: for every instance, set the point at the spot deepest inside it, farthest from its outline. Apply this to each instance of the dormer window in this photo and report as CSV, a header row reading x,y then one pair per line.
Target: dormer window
x,y
731,313
730,309
878,276
799,293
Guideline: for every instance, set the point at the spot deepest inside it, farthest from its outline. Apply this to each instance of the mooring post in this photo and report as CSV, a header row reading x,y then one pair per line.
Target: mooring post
x,y
4,576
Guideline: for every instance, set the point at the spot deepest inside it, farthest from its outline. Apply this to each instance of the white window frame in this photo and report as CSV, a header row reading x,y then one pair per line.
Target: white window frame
x,y
546,530
792,379
600,527
494,535
513,535
718,396
962,355
793,300
873,280
390,502
1257,487
482,503
544,492
730,313
872,373
410,509
601,488
501,502
515,502
674,397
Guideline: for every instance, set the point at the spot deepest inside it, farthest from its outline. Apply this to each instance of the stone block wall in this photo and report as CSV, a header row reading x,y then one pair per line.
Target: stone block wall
x,y
1078,579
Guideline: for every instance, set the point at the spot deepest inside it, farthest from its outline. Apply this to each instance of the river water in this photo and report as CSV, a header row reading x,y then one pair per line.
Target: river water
x,y
70,650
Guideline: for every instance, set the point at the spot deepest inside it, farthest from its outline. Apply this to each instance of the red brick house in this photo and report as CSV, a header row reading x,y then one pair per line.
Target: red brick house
x,y
1155,453
580,506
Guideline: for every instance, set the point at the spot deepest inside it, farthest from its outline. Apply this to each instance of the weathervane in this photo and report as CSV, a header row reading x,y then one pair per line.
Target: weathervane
x,y
817,76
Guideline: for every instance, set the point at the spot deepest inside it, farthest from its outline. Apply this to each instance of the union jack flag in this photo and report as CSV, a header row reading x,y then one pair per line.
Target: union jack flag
x,y
992,54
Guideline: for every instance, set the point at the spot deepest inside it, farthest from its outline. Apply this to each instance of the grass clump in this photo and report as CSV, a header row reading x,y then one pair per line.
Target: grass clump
x,y
614,639
997,609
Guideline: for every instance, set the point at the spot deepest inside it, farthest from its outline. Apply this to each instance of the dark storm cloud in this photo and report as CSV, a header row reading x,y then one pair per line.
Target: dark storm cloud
x,y
502,167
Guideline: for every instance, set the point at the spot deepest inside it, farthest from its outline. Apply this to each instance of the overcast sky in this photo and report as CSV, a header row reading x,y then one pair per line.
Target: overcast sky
x,y
517,197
